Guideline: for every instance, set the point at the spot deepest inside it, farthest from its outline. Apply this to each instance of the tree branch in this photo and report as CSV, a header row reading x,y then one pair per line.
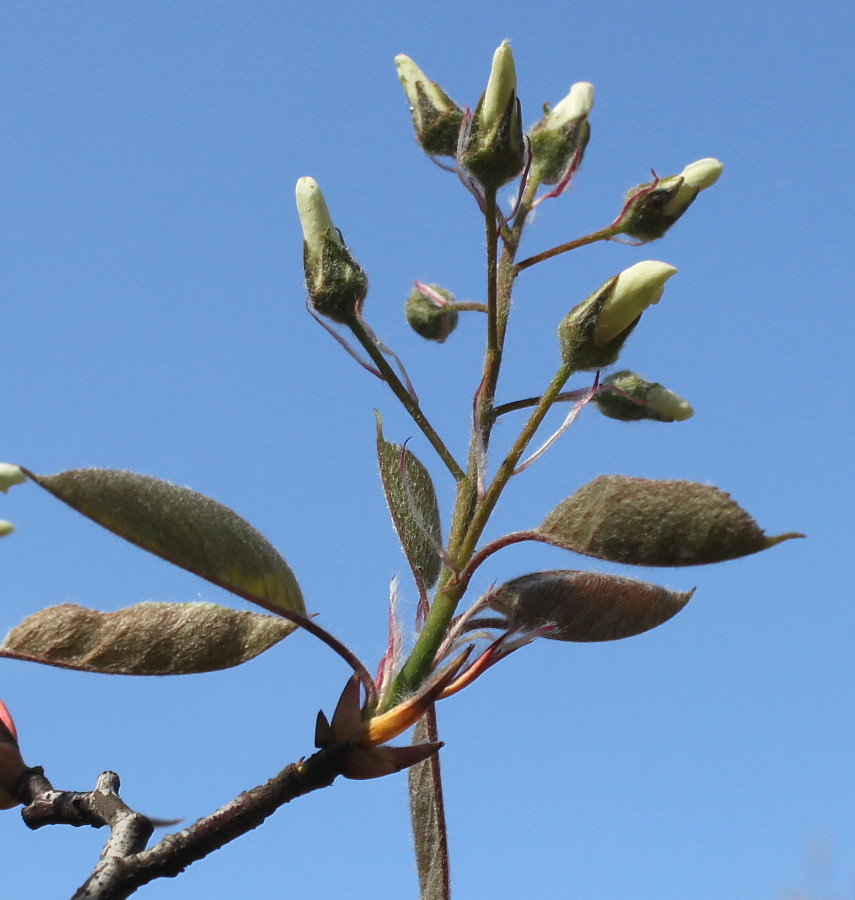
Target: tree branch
x,y
125,864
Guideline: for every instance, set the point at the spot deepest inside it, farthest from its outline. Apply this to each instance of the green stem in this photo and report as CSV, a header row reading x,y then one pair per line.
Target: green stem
x,y
487,504
604,234
408,402
466,306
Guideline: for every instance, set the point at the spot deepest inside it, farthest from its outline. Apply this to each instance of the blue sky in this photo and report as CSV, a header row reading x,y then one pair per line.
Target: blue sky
x,y
155,322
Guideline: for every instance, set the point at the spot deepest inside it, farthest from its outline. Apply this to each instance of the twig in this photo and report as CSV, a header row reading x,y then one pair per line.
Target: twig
x,y
125,865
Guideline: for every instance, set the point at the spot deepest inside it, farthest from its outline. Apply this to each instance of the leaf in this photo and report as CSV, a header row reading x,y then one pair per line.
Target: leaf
x,y
586,606
183,527
144,639
415,513
430,838
654,523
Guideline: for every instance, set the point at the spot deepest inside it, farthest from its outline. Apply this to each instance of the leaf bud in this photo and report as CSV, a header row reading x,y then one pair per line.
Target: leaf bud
x,y
335,282
10,475
426,315
493,150
633,398
657,205
562,131
592,334
436,117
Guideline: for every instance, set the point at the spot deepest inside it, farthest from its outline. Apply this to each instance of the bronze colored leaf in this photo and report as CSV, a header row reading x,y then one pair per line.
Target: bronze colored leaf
x,y
654,523
182,527
586,606
144,639
413,507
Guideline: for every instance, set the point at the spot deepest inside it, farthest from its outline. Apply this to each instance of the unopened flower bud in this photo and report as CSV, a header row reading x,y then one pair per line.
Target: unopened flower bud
x,y
10,475
592,333
493,151
426,314
12,766
636,288
336,284
656,208
6,528
632,398
562,132
436,117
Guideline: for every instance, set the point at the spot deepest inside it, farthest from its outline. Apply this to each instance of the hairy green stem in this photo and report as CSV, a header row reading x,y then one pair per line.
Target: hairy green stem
x,y
604,234
487,504
407,400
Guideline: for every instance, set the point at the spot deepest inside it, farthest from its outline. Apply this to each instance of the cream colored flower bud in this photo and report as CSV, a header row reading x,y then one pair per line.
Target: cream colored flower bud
x,y
636,288
335,282
668,404
6,528
10,475
315,218
500,87
697,176
576,105
411,76
436,117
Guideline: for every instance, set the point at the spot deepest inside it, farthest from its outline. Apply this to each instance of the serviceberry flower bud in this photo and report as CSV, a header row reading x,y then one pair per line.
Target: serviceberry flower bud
x,y
12,766
336,284
562,131
592,333
658,205
426,314
10,475
436,117
633,398
493,150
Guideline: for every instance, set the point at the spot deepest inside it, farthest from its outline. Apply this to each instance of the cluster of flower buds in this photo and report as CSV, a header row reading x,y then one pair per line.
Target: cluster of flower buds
x,y
559,139
629,397
592,333
9,475
652,208
335,282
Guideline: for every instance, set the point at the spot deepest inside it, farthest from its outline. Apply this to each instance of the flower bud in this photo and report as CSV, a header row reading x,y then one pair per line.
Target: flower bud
x,y
6,528
336,284
561,132
10,475
591,334
635,399
436,117
12,766
493,150
658,205
426,315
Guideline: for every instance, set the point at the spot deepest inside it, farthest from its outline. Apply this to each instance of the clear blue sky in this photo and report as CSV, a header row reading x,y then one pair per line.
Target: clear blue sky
x,y
154,320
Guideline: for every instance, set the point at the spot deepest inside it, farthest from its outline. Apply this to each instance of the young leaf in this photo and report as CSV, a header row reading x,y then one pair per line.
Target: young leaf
x,y
182,527
144,639
413,508
654,523
586,606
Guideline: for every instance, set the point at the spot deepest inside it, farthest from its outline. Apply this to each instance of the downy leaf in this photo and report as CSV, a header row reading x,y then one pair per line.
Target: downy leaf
x,y
586,606
144,639
183,527
414,510
654,523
